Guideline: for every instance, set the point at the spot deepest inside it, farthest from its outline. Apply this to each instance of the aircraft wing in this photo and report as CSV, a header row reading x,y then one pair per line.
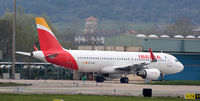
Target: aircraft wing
x,y
125,68
134,67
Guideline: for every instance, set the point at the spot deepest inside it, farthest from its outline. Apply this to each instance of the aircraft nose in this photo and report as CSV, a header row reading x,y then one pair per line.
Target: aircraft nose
x,y
181,67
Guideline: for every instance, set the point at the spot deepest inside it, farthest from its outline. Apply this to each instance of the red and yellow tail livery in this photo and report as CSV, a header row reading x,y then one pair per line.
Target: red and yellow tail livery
x,y
47,39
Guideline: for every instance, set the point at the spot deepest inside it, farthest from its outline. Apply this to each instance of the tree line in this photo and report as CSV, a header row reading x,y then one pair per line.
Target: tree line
x,y
26,34
64,11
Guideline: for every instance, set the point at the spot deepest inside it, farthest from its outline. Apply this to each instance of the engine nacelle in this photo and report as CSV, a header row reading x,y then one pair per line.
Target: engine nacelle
x,y
38,55
112,76
150,74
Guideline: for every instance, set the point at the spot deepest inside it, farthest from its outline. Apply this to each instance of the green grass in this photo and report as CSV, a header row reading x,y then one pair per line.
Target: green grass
x,y
49,97
3,84
196,83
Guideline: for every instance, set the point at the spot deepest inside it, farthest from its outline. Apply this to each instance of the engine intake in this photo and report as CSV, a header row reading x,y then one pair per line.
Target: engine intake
x,y
150,74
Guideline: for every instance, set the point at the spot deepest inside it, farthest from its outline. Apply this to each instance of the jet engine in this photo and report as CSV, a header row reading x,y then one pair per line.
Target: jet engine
x,y
150,74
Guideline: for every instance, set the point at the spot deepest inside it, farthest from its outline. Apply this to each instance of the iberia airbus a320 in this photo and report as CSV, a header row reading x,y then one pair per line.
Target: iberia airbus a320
x,y
107,64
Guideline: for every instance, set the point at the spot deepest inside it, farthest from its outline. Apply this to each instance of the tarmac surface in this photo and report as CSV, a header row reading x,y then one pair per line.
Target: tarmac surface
x,y
93,88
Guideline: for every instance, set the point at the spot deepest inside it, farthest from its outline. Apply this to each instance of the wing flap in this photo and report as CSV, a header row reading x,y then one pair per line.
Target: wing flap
x,y
133,67
124,68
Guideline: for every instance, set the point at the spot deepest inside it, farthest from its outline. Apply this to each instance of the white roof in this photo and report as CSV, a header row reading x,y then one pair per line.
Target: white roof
x,y
190,36
153,36
178,36
165,36
140,35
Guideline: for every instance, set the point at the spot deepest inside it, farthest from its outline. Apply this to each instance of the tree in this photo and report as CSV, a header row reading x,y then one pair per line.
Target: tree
x,y
25,33
152,30
49,23
66,38
122,26
182,27
6,38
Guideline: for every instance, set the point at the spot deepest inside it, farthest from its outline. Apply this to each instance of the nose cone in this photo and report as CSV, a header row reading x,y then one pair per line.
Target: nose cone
x,y
180,67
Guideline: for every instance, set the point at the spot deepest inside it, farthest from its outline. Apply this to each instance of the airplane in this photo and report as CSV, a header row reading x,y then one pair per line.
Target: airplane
x,y
107,64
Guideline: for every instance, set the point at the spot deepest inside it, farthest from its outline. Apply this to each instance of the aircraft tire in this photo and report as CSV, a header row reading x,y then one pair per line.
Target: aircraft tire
x,y
124,80
100,79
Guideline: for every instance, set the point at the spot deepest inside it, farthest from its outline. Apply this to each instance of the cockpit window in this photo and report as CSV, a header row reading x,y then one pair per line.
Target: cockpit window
x,y
176,60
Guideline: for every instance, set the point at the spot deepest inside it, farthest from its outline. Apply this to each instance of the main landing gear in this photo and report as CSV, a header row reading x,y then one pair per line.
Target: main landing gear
x,y
100,79
124,80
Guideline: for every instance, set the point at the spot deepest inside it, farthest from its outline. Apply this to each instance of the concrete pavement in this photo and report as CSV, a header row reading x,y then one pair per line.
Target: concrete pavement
x,y
93,88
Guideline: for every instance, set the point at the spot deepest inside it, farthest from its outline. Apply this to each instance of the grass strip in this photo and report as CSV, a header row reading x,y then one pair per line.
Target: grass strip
x,y
51,97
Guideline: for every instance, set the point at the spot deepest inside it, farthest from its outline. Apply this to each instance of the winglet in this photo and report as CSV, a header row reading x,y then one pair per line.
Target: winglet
x,y
35,48
152,56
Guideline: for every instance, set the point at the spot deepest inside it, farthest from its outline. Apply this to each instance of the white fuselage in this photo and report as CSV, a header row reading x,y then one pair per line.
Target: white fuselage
x,y
94,61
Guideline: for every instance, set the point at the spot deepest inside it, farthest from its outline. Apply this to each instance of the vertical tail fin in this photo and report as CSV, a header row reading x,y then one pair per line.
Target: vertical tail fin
x,y
47,39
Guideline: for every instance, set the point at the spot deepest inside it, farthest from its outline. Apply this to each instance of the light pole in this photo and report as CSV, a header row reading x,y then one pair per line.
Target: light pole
x,y
13,43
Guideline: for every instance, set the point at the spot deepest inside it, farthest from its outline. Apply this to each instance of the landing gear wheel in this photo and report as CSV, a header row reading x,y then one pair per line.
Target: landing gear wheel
x,y
162,77
124,80
100,79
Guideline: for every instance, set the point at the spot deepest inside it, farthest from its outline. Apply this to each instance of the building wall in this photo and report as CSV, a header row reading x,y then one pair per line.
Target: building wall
x,y
191,70
157,44
90,27
124,40
192,46
172,45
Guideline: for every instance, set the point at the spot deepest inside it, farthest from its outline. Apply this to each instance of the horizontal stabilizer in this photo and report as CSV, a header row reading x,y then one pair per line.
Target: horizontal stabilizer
x,y
24,53
52,56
